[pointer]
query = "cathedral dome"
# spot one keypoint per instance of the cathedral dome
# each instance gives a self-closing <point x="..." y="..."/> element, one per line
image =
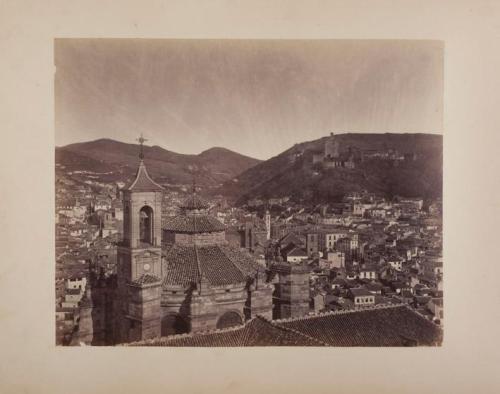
<point x="194" y="218"/>
<point x="193" y="224"/>
<point x="196" y="250"/>
<point x="194" y="202"/>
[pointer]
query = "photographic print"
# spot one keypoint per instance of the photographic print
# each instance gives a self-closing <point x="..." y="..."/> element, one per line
<point x="248" y="192"/>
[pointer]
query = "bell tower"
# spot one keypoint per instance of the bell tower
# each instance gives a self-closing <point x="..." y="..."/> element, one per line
<point x="139" y="272"/>
<point x="267" y="219"/>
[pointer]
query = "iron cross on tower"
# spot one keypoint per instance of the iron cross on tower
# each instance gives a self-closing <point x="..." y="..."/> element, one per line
<point x="193" y="169"/>
<point x="141" y="141"/>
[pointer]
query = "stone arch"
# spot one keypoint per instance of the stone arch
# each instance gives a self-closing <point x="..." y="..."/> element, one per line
<point x="173" y="324"/>
<point x="146" y="225"/>
<point x="229" y="319"/>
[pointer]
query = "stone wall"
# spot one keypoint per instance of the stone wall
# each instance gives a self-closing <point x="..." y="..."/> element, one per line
<point x="85" y="333"/>
<point x="144" y="311"/>
<point x="261" y="302"/>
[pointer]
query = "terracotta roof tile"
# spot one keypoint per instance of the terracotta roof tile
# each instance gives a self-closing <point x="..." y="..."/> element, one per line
<point x="146" y="279"/>
<point x="219" y="264"/>
<point x="143" y="181"/>
<point x="242" y="260"/>
<point x="181" y="266"/>
<point x="218" y="268"/>
<point x="193" y="224"/>
<point x="194" y="202"/>
<point x="256" y="332"/>
<point x="378" y="326"/>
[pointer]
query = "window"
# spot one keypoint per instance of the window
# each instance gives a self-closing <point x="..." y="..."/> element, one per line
<point x="146" y="225"/>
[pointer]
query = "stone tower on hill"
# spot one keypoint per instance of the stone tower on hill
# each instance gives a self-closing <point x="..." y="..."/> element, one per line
<point x="331" y="156"/>
<point x="332" y="147"/>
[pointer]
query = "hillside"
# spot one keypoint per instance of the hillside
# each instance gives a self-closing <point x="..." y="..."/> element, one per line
<point x="215" y="165"/>
<point x="293" y="174"/>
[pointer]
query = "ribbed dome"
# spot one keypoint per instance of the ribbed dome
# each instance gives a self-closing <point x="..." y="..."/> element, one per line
<point x="194" y="202"/>
<point x="193" y="224"/>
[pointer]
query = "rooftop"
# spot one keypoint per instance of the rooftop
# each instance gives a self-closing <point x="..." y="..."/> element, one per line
<point x="394" y="325"/>
<point x="388" y="325"/>
<point x="193" y="224"/>
<point x="220" y="264"/>
<point x="194" y="201"/>
<point x="143" y="182"/>
<point x="360" y="292"/>
<point x="146" y="279"/>
<point x="256" y="332"/>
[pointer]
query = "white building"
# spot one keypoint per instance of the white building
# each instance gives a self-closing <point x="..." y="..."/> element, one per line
<point x="76" y="283"/>
<point x="396" y="264"/>
<point x="336" y="259"/>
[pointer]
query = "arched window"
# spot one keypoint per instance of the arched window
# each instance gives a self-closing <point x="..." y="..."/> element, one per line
<point x="146" y="225"/>
<point x="229" y="319"/>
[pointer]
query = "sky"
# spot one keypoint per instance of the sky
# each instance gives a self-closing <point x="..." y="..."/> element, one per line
<point x="255" y="97"/>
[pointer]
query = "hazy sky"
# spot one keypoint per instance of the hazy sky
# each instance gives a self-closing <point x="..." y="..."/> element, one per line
<point x="256" y="97"/>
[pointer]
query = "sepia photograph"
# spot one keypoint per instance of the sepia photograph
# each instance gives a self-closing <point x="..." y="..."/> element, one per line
<point x="231" y="193"/>
<point x="252" y="196"/>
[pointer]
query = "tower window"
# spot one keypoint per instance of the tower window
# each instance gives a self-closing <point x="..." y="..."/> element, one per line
<point x="146" y="225"/>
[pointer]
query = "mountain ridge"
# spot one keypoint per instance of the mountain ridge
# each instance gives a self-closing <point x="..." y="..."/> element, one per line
<point x="292" y="173"/>
<point x="214" y="165"/>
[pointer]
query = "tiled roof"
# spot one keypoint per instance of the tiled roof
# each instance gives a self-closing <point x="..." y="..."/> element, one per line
<point x="422" y="300"/>
<point x="360" y="292"/>
<point x="290" y="238"/>
<point x="257" y="332"/>
<point x="143" y="182"/>
<point x="219" y="264"/>
<point x="245" y="263"/>
<point x="296" y="252"/>
<point x="146" y="279"/>
<point x="378" y="326"/>
<point x="374" y="286"/>
<point x="193" y="224"/>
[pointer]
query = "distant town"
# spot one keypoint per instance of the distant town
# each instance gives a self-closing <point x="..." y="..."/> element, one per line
<point x="367" y="269"/>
